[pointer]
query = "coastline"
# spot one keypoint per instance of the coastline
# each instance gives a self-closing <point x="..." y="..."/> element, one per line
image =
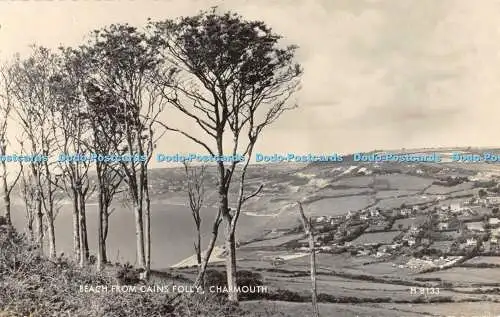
<point x="216" y="256"/>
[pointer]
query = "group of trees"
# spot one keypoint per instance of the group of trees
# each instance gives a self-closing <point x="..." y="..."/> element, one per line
<point x="228" y="75"/>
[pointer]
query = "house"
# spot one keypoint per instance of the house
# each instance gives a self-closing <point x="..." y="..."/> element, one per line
<point x="469" y="202"/>
<point x="455" y="207"/>
<point x="364" y="252"/>
<point x="277" y="261"/>
<point x="475" y="226"/>
<point x="443" y="226"/>
<point x="383" y="248"/>
<point x="414" y="228"/>
<point x="395" y="245"/>
<point x="493" y="199"/>
<point x="336" y="221"/>
<point x="493" y="244"/>
<point x="471" y="242"/>
<point x="406" y="212"/>
<point x="468" y="212"/>
<point x="396" y="213"/>
<point x="380" y="254"/>
<point x="493" y="221"/>
<point x="320" y="219"/>
<point x="411" y="242"/>
<point x="487" y="246"/>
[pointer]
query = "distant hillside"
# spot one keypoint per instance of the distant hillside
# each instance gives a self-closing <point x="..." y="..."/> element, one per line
<point x="170" y="183"/>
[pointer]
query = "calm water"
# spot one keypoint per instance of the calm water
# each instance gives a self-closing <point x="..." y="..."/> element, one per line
<point x="172" y="232"/>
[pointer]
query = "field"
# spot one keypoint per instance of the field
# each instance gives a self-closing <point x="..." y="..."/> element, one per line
<point x="407" y="222"/>
<point x="443" y="190"/>
<point x="479" y="309"/>
<point x="272" y="242"/>
<point x="407" y="182"/>
<point x="377" y="237"/>
<point x="371" y="286"/>
<point x="485" y="259"/>
<point x="339" y="206"/>
<point x="383" y="194"/>
<point x="397" y="202"/>
<point x="467" y="276"/>
<point x="344" y="310"/>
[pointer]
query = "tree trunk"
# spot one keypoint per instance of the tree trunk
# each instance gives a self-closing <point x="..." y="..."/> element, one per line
<point x="309" y="231"/>
<point x="230" y="243"/>
<point x="76" y="228"/>
<point x="84" y="245"/>
<point x="49" y="211"/>
<point x="6" y="196"/>
<point x="148" y="226"/>
<point x="105" y="226"/>
<point x="197" y="247"/>
<point x="29" y="216"/>
<point x="314" y="297"/>
<point x="100" y="241"/>
<point x="139" y="234"/>
<point x="52" y="236"/>
<point x="232" y="282"/>
<point x="200" y="279"/>
<point x="6" y="199"/>
<point x="39" y="224"/>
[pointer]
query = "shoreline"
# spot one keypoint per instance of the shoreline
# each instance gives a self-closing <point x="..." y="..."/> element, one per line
<point x="191" y="260"/>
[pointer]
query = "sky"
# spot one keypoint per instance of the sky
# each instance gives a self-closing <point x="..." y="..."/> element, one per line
<point x="383" y="74"/>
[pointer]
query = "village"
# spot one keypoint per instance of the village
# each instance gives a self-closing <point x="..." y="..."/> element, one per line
<point x="422" y="237"/>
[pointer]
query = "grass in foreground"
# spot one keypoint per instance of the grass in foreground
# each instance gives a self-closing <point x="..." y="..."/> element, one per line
<point x="31" y="285"/>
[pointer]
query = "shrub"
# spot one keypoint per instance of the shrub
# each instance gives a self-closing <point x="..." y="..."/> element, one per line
<point x="31" y="285"/>
<point x="287" y="296"/>
<point x="243" y="277"/>
<point x="127" y="275"/>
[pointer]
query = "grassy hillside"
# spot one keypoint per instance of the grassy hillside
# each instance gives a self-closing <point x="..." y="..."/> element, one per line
<point x="31" y="285"/>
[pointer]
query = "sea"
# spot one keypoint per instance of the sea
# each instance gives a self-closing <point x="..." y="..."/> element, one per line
<point x="172" y="232"/>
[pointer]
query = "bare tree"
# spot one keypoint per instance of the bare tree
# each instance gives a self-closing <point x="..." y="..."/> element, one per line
<point x="309" y="231"/>
<point x="233" y="80"/>
<point x="195" y="178"/>
<point x="196" y="190"/>
<point x="6" y="104"/>
<point x="200" y="279"/>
